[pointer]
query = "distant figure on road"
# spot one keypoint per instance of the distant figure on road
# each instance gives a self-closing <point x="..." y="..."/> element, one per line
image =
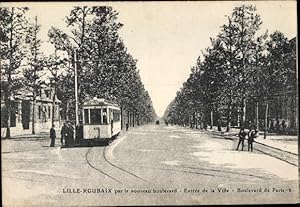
<point x="250" y="125"/>
<point x="205" y="125"/>
<point x="52" y="136"/>
<point x="272" y="125"/>
<point x="251" y="135"/>
<point x="277" y="126"/>
<point x="283" y="125"/>
<point x="127" y="125"/>
<point x="219" y="125"/>
<point x="242" y="136"/>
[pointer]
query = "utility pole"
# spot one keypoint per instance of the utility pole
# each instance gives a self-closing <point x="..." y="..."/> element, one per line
<point x="76" y="89"/>
<point x="34" y="91"/>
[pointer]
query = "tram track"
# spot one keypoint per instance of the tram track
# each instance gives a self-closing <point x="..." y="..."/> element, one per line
<point x="283" y="155"/>
<point x="122" y="169"/>
<point x="95" y="168"/>
<point x="121" y="172"/>
<point x="203" y="171"/>
<point x="20" y="151"/>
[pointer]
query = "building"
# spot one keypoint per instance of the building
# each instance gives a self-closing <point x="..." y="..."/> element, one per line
<point x="22" y="110"/>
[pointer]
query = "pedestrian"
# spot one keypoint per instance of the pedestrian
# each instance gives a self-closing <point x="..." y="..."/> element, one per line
<point x="283" y="125"/>
<point x="64" y="134"/>
<point x="242" y="136"/>
<point x="250" y="126"/>
<point x="52" y="136"/>
<point x="277" y="126"/>
<point x="79" y="133"/>
<point x="127" y="125"/>
<point x="272" y="126"/>
<point x="219" y="125"/>
<point x="251" y="135"/>
<point x="205" y="125"/>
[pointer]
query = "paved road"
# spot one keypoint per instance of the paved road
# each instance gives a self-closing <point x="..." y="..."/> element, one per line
<point x="148" y="165"/>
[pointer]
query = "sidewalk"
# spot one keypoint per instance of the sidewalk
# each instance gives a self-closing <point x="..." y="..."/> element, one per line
<point x="28" y="142"/>
<point x="286" y="143"/>
<point x="35" y="142"/>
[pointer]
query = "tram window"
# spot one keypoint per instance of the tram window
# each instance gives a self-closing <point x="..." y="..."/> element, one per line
<point x="86" y="116"/>
<point x="116" y="115"/>
<point x="95" y="116"/>
<point x="104" y="116"/>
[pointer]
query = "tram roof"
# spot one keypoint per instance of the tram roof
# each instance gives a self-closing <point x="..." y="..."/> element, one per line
<point x="99" y="102"/>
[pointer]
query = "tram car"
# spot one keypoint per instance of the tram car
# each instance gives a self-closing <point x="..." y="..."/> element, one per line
<point x="101" y="120"/>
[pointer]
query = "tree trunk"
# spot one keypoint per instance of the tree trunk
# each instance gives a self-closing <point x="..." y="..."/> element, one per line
<point x="229" y="116"/>
<point x="211" y="119"/>
<point x="67" y="111"/>
<point x="33" y="114"/>
<point x="53" y="104"/>
<point x="9" y="79"/>
<point x="194" y="120"/>
<point x="121" y="117"/>
<point x="244" y="112"/>
<point x="238" y="118"/>
<point x="257" y="121"/>
<point x="133" y="118"/>
<point x="266" y="121"/>
<point x="8" y="108"/>
<point x="128" y="118"/>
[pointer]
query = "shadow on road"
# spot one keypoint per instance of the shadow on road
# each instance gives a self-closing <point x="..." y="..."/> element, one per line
<point x="86" y="143"/>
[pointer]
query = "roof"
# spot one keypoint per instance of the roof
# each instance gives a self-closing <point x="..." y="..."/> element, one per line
<point x="99" y="102"/>
<point x="25" y="93"/>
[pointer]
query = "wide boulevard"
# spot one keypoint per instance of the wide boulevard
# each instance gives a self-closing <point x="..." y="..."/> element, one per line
<point x="153" y="164"/>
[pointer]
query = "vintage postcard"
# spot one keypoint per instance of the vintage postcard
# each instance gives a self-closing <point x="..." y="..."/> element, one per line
<point x="149" y="103"/>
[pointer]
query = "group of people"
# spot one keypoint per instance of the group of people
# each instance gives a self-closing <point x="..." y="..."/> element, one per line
<point x="67" y="135"/>
<point x="252" y="134"/>
<point x="278" y="127"/>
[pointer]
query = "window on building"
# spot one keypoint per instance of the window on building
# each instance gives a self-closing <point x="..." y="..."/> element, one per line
<point x="47" y="93"/>
<point x="49" y="112"/>
<point x="40" y="112"/>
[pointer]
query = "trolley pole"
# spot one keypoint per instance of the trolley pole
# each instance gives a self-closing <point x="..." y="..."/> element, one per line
<point x="76" y="89"/>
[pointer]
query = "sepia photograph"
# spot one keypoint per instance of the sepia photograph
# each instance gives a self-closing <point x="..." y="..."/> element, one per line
<point x="146" y="103"/>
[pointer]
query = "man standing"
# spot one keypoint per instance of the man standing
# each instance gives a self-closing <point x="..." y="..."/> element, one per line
<point x="242" y="136"/>
<point x="79" y="133"/>
<point x="251" y="135"/>
<point x="52" y="136"/>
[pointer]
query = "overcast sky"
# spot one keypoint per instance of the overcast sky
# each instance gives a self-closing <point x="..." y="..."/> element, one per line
<point x="167" y="37"/>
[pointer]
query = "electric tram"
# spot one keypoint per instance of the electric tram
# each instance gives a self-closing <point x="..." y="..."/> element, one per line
<point x="101" y="120"/>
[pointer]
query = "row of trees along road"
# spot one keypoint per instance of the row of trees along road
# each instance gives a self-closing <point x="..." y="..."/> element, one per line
<point x="239" y="66"/>
<point x="105" y="67"/>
